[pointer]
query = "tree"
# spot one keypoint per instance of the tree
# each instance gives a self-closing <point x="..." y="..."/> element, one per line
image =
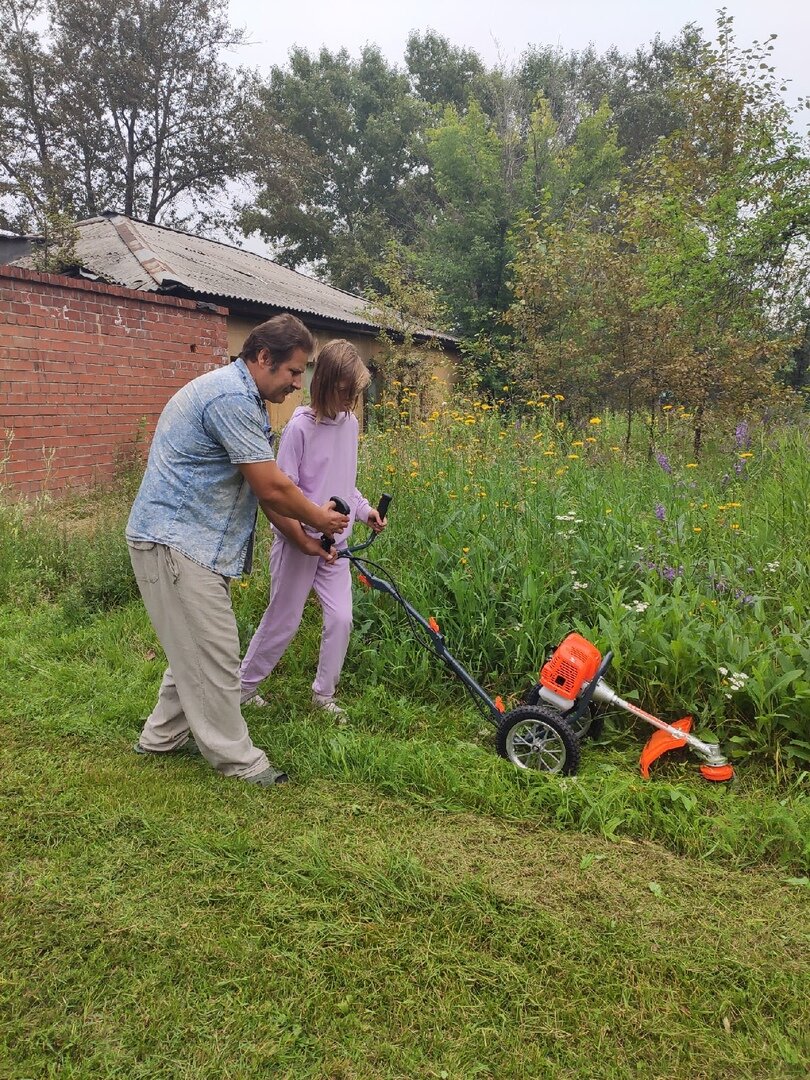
<point x="688" y="281"/>
<point x="129" y="105"/>
<point x="637" y="87"/>
<point x="351" y="176"/>
<point x="720" y="215"/>
<point x="441" y="73"/>
<point x="410" y="313"/>
<point x="466" y="243"/>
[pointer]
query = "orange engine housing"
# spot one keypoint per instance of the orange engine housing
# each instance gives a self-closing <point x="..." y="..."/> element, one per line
<point x="574" y="662"/>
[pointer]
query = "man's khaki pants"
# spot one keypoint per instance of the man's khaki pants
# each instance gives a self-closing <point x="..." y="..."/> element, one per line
<point x="190" y="609"/>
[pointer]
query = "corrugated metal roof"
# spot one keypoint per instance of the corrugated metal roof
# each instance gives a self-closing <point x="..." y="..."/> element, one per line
<point x="137" y="255"/>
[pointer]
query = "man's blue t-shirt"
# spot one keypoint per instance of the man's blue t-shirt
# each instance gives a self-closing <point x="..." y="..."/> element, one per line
<point x="192" y="496"/>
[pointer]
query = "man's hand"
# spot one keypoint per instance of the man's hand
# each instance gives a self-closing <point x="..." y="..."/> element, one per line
<point x="334" y="522"/>
<point x="312" y="546"/>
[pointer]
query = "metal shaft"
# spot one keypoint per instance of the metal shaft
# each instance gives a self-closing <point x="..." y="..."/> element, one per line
<point x="709" y="751"/>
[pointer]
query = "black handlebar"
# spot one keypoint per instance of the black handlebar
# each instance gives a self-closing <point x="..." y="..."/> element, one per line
<point x="382" y="510"/>
<point x="342" y="507"/>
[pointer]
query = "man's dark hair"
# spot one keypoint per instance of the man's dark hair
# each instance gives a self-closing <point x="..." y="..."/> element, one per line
<point x="281" y="336"/>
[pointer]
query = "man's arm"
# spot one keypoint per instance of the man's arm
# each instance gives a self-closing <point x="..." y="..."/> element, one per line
<point x="277" y="494"/>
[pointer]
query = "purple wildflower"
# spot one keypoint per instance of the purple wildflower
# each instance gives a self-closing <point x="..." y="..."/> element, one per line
<point x="739" y="466"/>
<point x="660" y="512"/>
<point x="742" y="436"/>
<point x="744" y="598"/>
<point x="663" y="461"/>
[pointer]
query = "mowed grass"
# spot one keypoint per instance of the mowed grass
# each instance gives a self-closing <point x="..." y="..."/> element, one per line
<point x="159" y="921"/>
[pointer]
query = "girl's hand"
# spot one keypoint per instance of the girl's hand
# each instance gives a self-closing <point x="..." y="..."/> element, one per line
<point x="375" y="522"/>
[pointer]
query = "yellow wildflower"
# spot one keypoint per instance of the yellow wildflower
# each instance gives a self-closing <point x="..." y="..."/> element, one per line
<point x="595" y="420"/>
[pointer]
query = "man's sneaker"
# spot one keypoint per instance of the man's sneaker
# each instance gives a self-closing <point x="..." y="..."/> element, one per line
<point x="189" y="748"/>
<point x="331" y="706"/>
<point x="269" y="778"/>
<point x="255" y="699"/>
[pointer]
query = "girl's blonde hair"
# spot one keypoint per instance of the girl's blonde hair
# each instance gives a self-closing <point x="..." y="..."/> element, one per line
<point x="339" y="375"/>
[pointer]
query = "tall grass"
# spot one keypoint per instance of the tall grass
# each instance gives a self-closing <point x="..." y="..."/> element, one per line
<point x="693" y="573"/>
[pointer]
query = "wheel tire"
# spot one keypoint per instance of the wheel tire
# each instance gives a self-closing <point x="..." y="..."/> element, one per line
<point x="585" y="725"/>
<point x="534" y="737"/>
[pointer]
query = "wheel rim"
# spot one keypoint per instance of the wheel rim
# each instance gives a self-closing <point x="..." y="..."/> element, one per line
<point x="534" y="744"/>
<point x="581" y="725"/>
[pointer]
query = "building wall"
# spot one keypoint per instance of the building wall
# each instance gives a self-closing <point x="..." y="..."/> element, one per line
<point x="367" y="346"/>
<point x="85" y="370"/>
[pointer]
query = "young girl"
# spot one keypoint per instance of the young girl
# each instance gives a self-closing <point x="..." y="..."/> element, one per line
<point x="318" y="451"/>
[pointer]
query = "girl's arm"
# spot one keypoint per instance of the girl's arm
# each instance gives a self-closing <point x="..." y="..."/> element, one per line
<point x="366" y="512"/>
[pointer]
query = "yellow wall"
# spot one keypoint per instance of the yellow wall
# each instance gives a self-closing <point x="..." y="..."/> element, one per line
<point x="239" y="328"/>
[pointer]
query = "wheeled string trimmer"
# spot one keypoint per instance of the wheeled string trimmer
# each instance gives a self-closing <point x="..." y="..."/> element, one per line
<point x="544" y="733"/>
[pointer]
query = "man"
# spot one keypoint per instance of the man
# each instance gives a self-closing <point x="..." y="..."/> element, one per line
<point x="191" y="530"/>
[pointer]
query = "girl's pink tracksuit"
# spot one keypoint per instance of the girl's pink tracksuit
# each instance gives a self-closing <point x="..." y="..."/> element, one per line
<point x="320" y="456"/>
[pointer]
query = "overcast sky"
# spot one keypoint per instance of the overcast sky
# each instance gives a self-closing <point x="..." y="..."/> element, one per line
<point x="502" y="29"/>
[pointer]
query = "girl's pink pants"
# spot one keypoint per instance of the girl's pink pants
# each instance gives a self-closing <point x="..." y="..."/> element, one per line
<point x="293" y="575"/>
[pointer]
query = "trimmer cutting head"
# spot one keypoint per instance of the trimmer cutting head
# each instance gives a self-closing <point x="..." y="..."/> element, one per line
<point x="718" y="773"/>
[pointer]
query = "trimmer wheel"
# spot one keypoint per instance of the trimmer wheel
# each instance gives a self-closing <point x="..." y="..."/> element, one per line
<point x="587" y="724"/>
<point x="535" y="737"/>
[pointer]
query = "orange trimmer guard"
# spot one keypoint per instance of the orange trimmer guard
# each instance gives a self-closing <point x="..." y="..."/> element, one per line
<point x="660" y="742"/>
<point x="718" y="773"/>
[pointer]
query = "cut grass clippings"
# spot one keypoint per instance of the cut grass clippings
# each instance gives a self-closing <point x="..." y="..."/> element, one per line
<point x="159" y="921"/>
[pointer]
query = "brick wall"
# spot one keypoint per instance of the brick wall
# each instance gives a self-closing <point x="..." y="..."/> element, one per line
<point x="85" y="370"/>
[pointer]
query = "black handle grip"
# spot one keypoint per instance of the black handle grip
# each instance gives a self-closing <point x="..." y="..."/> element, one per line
<point x="342" y="507"/>
<point x="384" y="503"/>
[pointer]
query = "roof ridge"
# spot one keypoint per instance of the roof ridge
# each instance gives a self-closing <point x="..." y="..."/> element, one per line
<point x="158" y="270"/>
